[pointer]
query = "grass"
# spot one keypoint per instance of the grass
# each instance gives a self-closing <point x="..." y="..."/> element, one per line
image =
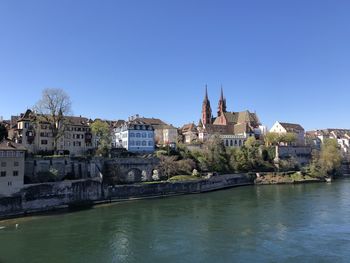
<point x="181" y="178"/>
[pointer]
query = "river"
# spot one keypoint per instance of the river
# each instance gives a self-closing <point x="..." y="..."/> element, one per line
<point x="279" y="223"/>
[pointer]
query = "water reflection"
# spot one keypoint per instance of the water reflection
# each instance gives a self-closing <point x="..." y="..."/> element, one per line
<point x="266" y="224"/>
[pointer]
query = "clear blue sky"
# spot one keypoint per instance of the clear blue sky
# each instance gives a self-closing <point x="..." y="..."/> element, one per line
<point x="286" y="60"/>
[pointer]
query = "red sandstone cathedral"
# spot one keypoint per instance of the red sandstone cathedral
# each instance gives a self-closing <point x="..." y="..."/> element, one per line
<point x="226" y="123"/>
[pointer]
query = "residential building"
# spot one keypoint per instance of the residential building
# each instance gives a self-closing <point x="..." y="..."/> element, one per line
<point x="297" y="129"/>
<point x="135" y="136"/>
<point x="189" y="133"/>
<point x="342" y="136"/>
<point x="36" y="135"/>
<point x="165" y="134"/>
<point x="11" y="167"/>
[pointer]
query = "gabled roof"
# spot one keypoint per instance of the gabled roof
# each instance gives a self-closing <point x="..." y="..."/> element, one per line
<point x="191" y="127"/>
<point x="292" y="127"/>
<point x="151" y="121"/>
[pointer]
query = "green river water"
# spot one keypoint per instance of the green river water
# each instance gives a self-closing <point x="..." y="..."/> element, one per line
<point x="281" y="223"/>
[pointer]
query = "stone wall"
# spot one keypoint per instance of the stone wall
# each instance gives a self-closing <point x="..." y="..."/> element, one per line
<point x="170" y="188"/>
<point x="43" y="197"/>
<point x="49" y="196"/>
<point x="130" y="170"/>
<point x="301" y="154"/>
<point x="78" y="168"/>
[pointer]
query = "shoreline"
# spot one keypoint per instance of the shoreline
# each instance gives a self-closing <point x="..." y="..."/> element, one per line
<point x="65" y="209"/>
<point x="90" y="204"/>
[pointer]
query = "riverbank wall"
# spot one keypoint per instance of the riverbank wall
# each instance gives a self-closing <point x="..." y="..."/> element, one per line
<point x="38" y="198"/>
<point x="176" y="188"/>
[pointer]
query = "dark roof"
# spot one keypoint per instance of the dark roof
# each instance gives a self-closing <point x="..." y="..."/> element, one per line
<point x="151" y="121"/>
<point x="241" y="117"/>
<point x="292" y="127"/>
<point x="9" y="145"/>
<point x="134" y="125"/>
<point x="73" y="120"/>
<point x="338" y="133"/>
<point x="190" y="127"/>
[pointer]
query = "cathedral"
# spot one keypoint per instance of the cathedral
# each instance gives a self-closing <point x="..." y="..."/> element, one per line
<point x="229" y="125"/>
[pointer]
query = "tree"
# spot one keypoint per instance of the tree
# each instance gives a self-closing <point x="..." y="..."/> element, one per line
<point x="330" y="157"/>
<point x="287" y="138"/>
<point x="214" y="155"/>
<point x="271" y="139"/>
<point x="52" y="108"/>
<point x="3" y="132"/>
<point x="101" y="130"/>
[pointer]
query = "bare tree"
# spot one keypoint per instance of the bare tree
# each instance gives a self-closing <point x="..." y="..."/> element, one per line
<point x="52" y="108"/>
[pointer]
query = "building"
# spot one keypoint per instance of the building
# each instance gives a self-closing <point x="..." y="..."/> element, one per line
<point x="11" y="167"/>
<point x="36" y="135"/>
<point x="189" y="133"/>
<point x="232" y="127"/>
<point x="164" y="133"/>
<point x="135" y="136"/>
<point x="297" y="129"/>
<point x="342" y="136"/>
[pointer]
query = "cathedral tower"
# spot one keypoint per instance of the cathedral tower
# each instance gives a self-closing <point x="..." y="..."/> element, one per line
<point x="222" y="104"/>
<point x="206" y="109"/>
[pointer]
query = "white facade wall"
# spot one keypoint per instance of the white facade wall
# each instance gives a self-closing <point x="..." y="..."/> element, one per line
<point x="11" y="171"/>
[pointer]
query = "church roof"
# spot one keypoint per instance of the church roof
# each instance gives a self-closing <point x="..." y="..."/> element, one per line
<point x="240" y="117"/>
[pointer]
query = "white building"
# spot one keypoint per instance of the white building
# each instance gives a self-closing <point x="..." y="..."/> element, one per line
<point x="11" y="167"/>
<point x="135" y="136"/>
<point x="297" y="129"/>
<point x="341" y="135"/>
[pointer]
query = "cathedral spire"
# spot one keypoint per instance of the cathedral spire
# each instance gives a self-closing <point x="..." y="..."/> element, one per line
<point x="206" y="109"/>
<point x="222" y="103"/>
<point x="222" y="94"/>
<point x="206" y="93"/>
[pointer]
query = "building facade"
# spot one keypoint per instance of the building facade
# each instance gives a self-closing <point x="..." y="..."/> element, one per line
<point x="37" y="137"/>
<point x="342" y="136"/>
<point x="284" y="127"/>
<point x="135" y="136"/>
<point x="164" y="133"/>
<point x="12" y="157"/>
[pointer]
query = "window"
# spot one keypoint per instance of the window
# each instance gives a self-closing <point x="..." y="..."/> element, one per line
<point x="138" y="135"/>
<point x="15" y="173"/>
<point x="226" y="142"/>
<point x="3" y="173"/>
<point x="3" y="164"/>
<point x="150" y="135"/>
<point x="132" y="143"/>
<point x="143" y="143"/>
<point x="231" y="142"/>
<point x="16" y="164"/>
<point x="144" y="135"/>
<point x="9" y="183"/>
<point x="150" y="143"/>
<point x="44" y="142"/>
<point x="138" y="143"/>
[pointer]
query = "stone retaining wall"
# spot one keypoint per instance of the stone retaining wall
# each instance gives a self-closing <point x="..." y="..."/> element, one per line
<point x="49" y="196"/>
